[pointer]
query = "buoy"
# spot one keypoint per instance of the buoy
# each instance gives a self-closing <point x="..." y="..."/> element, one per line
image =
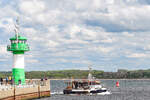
<point x="117" y="84"/>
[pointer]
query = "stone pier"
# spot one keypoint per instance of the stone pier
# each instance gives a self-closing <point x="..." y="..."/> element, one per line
<point x="37" y="89"/>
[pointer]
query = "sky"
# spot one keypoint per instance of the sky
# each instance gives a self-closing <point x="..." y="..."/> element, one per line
<point x="74" y="34"/>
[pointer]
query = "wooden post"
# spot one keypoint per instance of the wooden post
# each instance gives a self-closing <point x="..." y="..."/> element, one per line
<point x="14" y="92"/>
<point x="39" y="90"/>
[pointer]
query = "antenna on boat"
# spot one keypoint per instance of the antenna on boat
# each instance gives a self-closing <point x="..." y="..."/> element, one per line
<point x="90" y="75"/>
<point x="90" y="69"/>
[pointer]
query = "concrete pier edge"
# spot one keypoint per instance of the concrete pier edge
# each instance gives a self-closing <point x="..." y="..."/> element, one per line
<point x="26" y="93"/>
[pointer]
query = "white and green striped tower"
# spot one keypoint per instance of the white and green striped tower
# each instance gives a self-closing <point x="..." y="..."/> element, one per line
<point x="18" y="47"/>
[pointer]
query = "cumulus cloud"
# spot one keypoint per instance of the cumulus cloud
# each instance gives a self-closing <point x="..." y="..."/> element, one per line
<point x="78" y="33"/>
<point x="32" y="7"/>
<point x="3" y="50"/>
<point x="105" y="49"/>
<point x="137" y="55"/>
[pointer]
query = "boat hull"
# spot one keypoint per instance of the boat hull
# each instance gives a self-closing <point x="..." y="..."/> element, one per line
<point x="97" y="91"/>
<point x="75" y="92"/>
<point x="85" y="91"/>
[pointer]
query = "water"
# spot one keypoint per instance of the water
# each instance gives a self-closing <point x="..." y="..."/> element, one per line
<point x="128" y="90"/>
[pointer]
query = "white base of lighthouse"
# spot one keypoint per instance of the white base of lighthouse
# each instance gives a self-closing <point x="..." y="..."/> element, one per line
<point x="18" y="68"/>
<point x="18" y="61"/>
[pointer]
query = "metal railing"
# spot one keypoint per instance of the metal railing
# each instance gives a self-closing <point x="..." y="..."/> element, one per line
<point x="10" y="48"/>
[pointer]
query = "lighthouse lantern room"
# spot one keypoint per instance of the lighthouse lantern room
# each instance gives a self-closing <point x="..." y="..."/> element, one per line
<point x="18" y="47"/>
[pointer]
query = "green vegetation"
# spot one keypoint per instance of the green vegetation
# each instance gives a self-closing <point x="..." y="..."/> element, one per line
<point x="120" y="74"/>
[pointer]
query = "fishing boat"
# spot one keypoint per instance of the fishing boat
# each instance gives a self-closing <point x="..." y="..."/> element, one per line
<point x="89" y="86"/>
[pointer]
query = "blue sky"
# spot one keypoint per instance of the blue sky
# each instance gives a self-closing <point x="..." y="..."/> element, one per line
<point x="72" y="34"/>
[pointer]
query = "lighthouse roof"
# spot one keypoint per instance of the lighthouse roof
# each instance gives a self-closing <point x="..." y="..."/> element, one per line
<point x="19" y="38"/>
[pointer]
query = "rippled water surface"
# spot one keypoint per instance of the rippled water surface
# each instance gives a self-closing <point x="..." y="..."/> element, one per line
<point x="128" y="90"/>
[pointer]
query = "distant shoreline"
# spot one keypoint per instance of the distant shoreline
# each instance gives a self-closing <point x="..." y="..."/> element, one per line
<point x="82" y="74"/>
<point x="101" y="79"/>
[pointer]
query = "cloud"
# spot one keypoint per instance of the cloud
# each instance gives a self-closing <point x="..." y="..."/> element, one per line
<point x="3" y="49"/>
<point x="105" y="49"/>
<point x="32" y="7"/>
<point x="137" y="55"/>
<point x="77" y="33"/>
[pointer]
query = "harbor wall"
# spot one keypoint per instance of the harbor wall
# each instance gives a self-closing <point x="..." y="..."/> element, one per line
<point x="26" y="92"/>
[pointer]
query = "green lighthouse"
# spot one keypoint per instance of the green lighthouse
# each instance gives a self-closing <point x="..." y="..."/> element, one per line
<point x="18" y="47"/>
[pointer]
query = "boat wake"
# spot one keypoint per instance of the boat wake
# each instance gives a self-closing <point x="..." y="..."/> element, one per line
<point x="57" y="93"/>
<point x="104" y="93"/>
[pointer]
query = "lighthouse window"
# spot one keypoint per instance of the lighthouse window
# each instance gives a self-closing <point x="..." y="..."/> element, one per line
<point x="15" y="41"/>
<point x="12" y="41"/>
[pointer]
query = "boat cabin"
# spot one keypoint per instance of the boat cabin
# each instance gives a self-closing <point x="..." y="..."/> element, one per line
<point x="78" y="84"/>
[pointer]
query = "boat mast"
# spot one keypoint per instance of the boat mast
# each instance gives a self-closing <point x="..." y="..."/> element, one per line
<point x="90" y="75"/>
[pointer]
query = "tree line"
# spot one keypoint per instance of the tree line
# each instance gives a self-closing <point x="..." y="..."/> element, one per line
<point x="82" y="74"/>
